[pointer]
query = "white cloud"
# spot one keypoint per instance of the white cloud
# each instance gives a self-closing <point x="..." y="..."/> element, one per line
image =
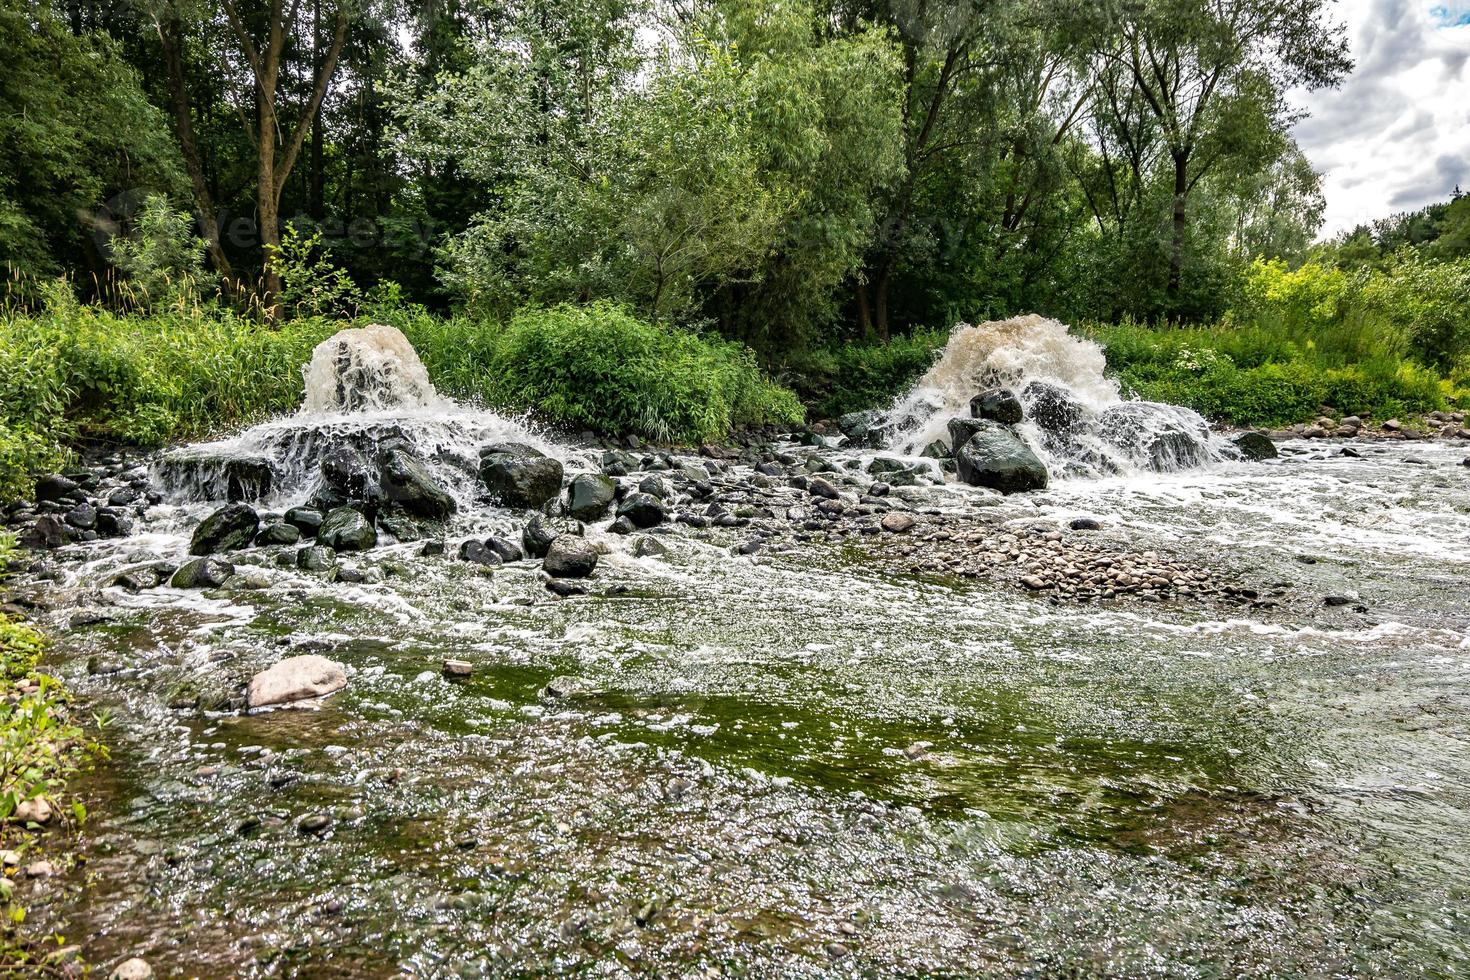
<point x="1396" y="135"/>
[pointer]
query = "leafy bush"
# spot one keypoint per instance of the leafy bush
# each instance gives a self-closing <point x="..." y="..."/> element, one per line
<point x="40" y="748"/>
<point x="602" y="368"/>
<point x="163" y="259"/>
<point x="853" y="377"/>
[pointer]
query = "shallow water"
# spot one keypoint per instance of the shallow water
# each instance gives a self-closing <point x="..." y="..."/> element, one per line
<point x="807" y="765"/>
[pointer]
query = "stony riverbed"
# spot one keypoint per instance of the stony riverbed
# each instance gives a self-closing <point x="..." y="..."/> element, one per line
<point x="812" y="723"/>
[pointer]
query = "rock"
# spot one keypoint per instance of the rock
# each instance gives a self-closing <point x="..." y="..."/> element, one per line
<point x="643" y="509"/>
<point x="1052" y="407"/>
<point x="1034" y="582"/>
<point x="1392" y="425"/>
<point x="1337" y="600"/>
<point x="1256" y="446"/>
<point x="316" y="558"/>
<point x="307" y="520"/>
<point x="1085" y="524"/>
<point x="566" y="686"/>
<point x="998" y="405"/>
<point x="35" y="810"/>
<point x="230" y="528"/>
<point x="519" y="476"/>
<point x="407" y="486"/>
<point x="47" y="531"/>
<point x="458" y="668"/>
<point x="476" y="553"/>
<point x="649" y="547"/>
<point x="83" y="517"/>
<point x="589" y="496"/>
<point x="202" y="573"/>
<point x="961" y="430"/>
<point x="295" y="679"/>
<point x="281" y="533"/>
<point x="113" y="524"/>
<point x="860" y="427"/>
<point x="138" y="579"/>
<point x="507" y="549"/>
<point x="133" y="969"/>
<point x="431" y="549"/>
<point x="348" y="477"/>
<point x="541" y="530"/>
<point x="55" y="488"/>
<point x="997" y="458"/>
<point x="570" y="557"/>
<point x="819" y="487"/>
<point x="565" y="587"/>
<point x="346" y="529"/>
<point x="897" y="522"/>
<point x="314" y="823"/>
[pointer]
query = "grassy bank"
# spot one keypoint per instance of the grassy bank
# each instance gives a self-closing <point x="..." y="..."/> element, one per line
<point x="77" y="372"/>
<point x="41" y="747"/>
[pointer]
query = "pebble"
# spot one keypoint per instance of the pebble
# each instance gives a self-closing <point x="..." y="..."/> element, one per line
<point x="133" y="969"/>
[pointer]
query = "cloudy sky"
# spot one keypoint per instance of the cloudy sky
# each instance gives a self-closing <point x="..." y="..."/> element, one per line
<point x="1396" y="134"/>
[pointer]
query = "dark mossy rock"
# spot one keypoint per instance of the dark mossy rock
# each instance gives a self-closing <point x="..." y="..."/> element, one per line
<point x="507" y="549"/>
<point x="589" y="496"/>
<point x="307" y="520"/>
<point x="995" y="457"/>
<point x="1256" y="446"/>
<point x="346" y="529"/>
<point x="281" y="533"/>
<point x="519" y="476"/>
<point x="541" y="530"/>
<point x="202" y="573"/>
<point x="644" y="510"/>
<point x="315" y="558"/>
<point x="407" y="486"/>
<point x="1052" y="407"/>
<point x="56" y="488"/>
<point x="998" y="405"/>
<point x="231" y="527"/>
<point x="476" y="553"/>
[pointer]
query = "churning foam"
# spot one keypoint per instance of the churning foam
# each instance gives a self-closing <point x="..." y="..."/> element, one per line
<point x="366" y="369"/>
<point x="1034" y="355"/>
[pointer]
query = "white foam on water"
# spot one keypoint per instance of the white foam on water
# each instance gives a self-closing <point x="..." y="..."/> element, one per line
<point x="1045" y="364"/>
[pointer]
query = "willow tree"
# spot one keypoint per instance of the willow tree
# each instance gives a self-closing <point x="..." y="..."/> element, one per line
<point x="1211" y="76"/>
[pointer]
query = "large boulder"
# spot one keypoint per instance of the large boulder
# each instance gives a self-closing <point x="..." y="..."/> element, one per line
<point x="995" y="457"/>
<point x="407" y="486"/>
<point x="345" y="529"/>
<point x="519" y="476"/>
<point x="1052" y="407"/>
<point x="962" y="429"/>
<point x="541" y="530"/>
<point x="1161" y="437"/>
<point x="1256" y="446"/>
<point x="227" y="529"/>
<point x="56" y="488"/>
<point x="644" y="510"/>
<point x="570" y="557"/>
<point x="998" y="405"/>
<point x="348" y="478"/>
<point x="590" y="495"/>
<point x="296" y="679"/>
<point x="202" y="573"/>
<point x="202" y="473"/>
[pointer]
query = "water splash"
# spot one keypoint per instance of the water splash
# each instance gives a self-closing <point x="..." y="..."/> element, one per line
<point x="1076" y="416"/>
<point x="372" y="368"/>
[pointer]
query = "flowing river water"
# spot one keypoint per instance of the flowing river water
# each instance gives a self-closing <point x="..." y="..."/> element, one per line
<point x="806" y="763"/>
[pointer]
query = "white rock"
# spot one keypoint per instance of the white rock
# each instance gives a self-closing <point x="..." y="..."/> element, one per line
<point x="296" y="678"/>
<point x="133" y="969"/>
<point x="37" y="810"/>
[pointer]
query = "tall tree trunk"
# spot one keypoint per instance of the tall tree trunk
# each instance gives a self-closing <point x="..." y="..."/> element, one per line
<point x="1176" y="243"/>
<point x="170" y="35"/>
<point x="865" y="311"/>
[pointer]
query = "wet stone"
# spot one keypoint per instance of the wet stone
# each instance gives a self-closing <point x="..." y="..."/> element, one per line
<point x="228" y="529"/>
<point x="202" y="573"/>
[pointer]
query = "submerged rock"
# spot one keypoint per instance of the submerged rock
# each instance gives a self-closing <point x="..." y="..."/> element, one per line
<point x="228" y="529"/>
<point x="1163" y="437"/>
<point x="296" y="679"/>
<point x="589" y="496"/>
<point x="345" y="529"/>
<point x="1052" y="407"/>
<point x="476" y="553"/>
<point x="996" y="458"/>
<point x="518" y="475"/>
<point x="202" y="573"/>
<point x="1256" y="446"/>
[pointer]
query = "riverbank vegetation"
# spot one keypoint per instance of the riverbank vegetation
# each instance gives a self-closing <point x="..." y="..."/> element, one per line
<point x="630" y="217"/>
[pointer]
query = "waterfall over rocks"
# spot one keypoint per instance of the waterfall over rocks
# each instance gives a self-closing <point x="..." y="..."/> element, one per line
<point x="372" y="368"/>
<point x="1074" y="416"/>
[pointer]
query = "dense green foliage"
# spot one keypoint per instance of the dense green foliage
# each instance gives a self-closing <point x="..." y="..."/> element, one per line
<point x="836" y="380"/>
<point x="83" y="372"/>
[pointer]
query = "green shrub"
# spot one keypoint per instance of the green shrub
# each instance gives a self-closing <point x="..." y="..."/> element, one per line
<point x="601" y="367"/>
<point x="854" y="377"/>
